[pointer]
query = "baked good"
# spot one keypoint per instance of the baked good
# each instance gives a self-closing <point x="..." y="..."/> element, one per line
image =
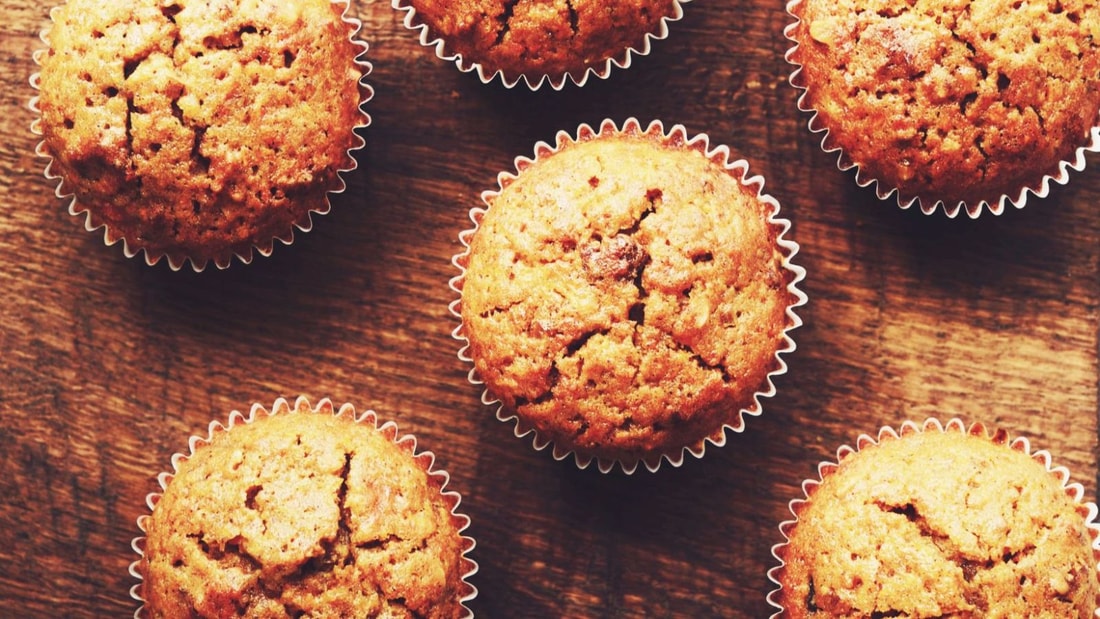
<point x="939" y="522"/>
<point x="626" y="296"/>
<point x="967" y="103"/>
<point x="304" y="513"/>
<point x="200" y="129"/>
<point x="539" y="41"/>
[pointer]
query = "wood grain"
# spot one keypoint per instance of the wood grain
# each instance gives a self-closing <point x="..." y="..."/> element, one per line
<point x="107" y="365"/>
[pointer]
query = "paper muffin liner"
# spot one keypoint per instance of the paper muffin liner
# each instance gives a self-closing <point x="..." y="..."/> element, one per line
<point x="1021" y="444"/>
<point x="739" y="169"/>
<point x="175" y="261"/>
<point x="1040" y="188"/>
<point x="534" y="81"/>
<point x="406" y="442"/>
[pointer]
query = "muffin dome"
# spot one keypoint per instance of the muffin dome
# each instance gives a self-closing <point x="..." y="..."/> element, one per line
<point x="303" y="513"/>
<point x="200" y="129"/>
<point x="959" y="103"/>
<point x="626" y="296"/>
<point x="939" y="524"/>
<point x="541" y="41"/>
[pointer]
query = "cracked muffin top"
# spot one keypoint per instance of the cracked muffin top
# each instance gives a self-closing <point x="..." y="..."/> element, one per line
<point x="939" y="524"/>
<point x="537" y="38"/>
<point x="304" y="514"/>
<point x="626" y="297"/>
<point x="200" y="129"/>
<point x="959" y="101"/>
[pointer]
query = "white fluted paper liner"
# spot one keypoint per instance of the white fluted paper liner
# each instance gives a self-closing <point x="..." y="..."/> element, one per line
<point x="407" y="442"/>
<point x="176" y="261"/>
<point x="1021" y="444"/>
<point x="739" y="169"/>
<point x="534" y="81"/>
<point x="1040" y="188"/>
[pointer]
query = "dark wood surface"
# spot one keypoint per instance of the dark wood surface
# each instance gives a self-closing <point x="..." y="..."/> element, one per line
<point x="107" y="366"/>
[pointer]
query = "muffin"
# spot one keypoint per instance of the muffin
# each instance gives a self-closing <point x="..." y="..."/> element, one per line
<point x="200" y="129"/>
<point x="963" y="105"/>
<point x="303" y="512"/>
<point x="627" y="295"/>
<point x="537" y="41"/>
<point x="936" y="522"/>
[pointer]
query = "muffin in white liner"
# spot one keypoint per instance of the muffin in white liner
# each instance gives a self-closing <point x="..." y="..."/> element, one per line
<point x="303" y="508"/>
<point x="968" y="106"/>
<point x="538" y="42"/>
<point x="931" y="520"/>
<point x="627" y="295"/>
<point x="196" y="133"/>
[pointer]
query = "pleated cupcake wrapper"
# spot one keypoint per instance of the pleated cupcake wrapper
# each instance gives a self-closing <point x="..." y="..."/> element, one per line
<point x="407" y="442"/>
<point x="534" y="81"/>
<point x="719" y="155"/>
<point x="1040" y="189"/>
<point x="176" y="261"/>
<point x="1021" y="444"/>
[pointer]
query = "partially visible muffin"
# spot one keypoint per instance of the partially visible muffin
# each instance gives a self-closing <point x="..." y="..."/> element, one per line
<point x="200" y="129"/>
<point x="963" y="104"/>
<point x="303" y="513"/>
<point x="541" y="41"/>
<point x="627" y="295"/>
<point x="939" y="523"/>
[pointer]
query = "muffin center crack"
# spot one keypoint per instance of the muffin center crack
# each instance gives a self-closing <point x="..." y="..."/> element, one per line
<point x="379" y="544"/>
<point x="200" y="161"/>
<point x="170" y="11"/>
<point x="336" y="551"/>
<point x="343" y="532"/>
<point x="505" y="19"/>
<point x="704" y="364"/>
<point x="231" y="553"/>
<point x="131" y="109"/>
<point x="500" y="309"/>
<point x="622" y="257"/>
<point x="553" y="377"/>
<point x="618" y="258"/>
<point x="913" y="515"/>
<point x="811" y="601"/>
<point x="578" y="342"/>
<point x="233" y="39"/>
<point x="970" y="567"/>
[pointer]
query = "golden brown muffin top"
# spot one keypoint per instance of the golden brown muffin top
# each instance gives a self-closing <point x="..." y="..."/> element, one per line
<point x="940" y="524"/>
<point x="952" y="100"/>
<point x="626" y="297"/>
<point x="302" y="515"/>
<point x="542" y="37"/>
<point x="200" y="128"/>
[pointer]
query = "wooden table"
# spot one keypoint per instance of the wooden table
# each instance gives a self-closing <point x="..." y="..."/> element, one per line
<point x="108" y="365"/>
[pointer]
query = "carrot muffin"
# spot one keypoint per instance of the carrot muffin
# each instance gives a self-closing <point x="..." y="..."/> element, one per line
<point x="939" y="523"/>
<point x="627" y="295"/>
<point x="200" y="129"/>
<point x="964" y="104"/>
<point x="537" y="40"/>
<point x="303" y="513"/>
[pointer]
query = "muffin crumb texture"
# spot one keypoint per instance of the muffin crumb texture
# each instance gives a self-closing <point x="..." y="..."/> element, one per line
<point x="959" y="101"/>
<point x="626" y="297"/>
<point x="302" y="515"/>
<point x="940" y="524"/>
<point x="537" y="37"/>
<point x="200" y="128"/>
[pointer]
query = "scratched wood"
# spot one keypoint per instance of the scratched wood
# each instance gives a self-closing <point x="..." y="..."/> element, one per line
<point x="107" y="365"/>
